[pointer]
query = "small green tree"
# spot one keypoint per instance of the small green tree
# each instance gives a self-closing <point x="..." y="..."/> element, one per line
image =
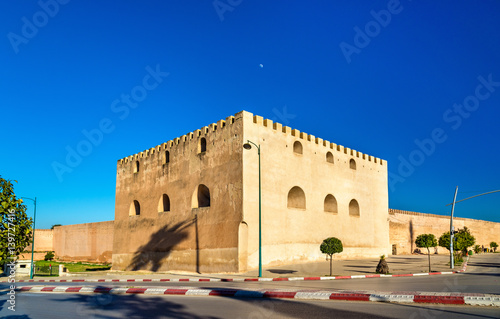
<point x="477" y="249"/>
<point x="493" y="246"/>
<point x="464" y="240"/>
<point x="444" y="241"/>
<point x="15" y="225"/>
<point x="49" y="256"/>
<point x="330" y="246"/>
<point x="426" y="241"/>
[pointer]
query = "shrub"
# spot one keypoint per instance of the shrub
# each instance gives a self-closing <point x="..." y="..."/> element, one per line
<point x="49" y="256"/>
<point x="477" y="249"/>
<point x="493" y="246"/>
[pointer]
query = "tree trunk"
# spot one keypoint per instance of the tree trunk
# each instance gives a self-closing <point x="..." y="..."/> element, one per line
<point x="331" y="264"/>
<point x="429" y="254"/>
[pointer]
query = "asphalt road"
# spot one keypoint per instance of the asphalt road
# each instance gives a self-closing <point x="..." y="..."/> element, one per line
<point x="482" y="276"/>
<point x="76" y="306"/>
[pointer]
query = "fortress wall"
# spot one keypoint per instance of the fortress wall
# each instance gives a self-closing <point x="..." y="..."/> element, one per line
<point x="405" y="226"/>
<point x="292" y="234"/>
<point x="43" y="240"/>
<point x="183" y="238"/>
<point x="84" y="242"/>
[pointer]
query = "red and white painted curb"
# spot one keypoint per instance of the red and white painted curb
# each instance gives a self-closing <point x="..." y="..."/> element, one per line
<point x="464" y="267"/>
<point x="403" y="297"/>
<point x="246" y="279"/>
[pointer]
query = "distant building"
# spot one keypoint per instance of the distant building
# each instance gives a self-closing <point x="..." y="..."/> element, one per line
<point x="192" y="203"/>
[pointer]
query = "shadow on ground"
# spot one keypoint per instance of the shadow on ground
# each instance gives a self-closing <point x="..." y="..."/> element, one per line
<point x="129" y="306"/>
<point x="281" y="271"/>
<point x="134" y="306"/>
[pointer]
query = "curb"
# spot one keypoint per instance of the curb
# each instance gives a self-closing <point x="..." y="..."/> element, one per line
<point x="473" y="299"/>
<point x="464" y="267"/>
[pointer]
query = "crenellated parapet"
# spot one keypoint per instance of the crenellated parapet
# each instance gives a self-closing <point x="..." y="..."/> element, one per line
<point x="259" y="120"/>
<point x="182" y="140"/>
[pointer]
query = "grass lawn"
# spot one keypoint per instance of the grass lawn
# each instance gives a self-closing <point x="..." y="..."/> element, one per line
<point x="74" y="267"/>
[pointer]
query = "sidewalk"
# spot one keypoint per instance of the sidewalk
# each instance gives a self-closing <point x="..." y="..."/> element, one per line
<point x="398" y="265"/>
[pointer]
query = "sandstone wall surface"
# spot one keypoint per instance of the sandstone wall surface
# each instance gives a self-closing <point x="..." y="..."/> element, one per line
<point x="405" y="226"/>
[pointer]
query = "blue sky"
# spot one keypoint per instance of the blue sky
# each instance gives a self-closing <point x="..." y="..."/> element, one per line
<point x="414" y="83"/>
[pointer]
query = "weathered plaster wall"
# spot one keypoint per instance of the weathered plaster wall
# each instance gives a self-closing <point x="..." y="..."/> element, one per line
<point x="84" y="242"/>
<point x="294" y="234"/>
<point x="43" y="240"/>
<point x="405" y="226"/>
<point x="36" y="256"/>
<point x="184" y="238"/>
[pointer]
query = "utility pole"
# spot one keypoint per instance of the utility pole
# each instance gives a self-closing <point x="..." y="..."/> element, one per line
<point x="452" y="260"/>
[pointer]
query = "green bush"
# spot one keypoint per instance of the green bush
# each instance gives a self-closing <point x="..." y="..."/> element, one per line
<point x="49" y="256"/>
<point x="477" y="249"/>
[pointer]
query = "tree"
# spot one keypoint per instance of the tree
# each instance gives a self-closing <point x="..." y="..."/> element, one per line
<point x="49" y="256"/>
<point x="426" y="241"/>
<point x="330" y="246"/>
<point x="15" y="225"/>
<point x="477" y="249"/>
<point x="493" y="246"/>
<point x="463" y="239"/>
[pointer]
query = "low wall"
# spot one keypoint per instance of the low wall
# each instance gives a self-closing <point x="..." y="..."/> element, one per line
<point x="405" y="226"/>
<point x="84" y="242"/>
<point x="36" y="256"/>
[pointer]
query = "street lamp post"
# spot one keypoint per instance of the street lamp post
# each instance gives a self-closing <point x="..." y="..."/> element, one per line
<point x="451" y="219"/>
<point x="33" y="242"/>
<point x="247" y="146"/>
<point x="452" y="260"/>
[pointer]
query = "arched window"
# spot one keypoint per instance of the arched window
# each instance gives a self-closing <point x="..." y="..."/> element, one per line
<point x="354" y="208"/>
<point x="136" y="167"/>
<point x="201" y="197"/>
<point x="331" y="204"/>
<point x="352" y="164"/>
<point x="167" y="157"/>
<point x="135" y="209"/>
<point x="202" y="146"/>
<point x="164" y="203"/>
<point x="297" y="147"/>
<point x="296" y="198"/>
<point x="329" y="157"/>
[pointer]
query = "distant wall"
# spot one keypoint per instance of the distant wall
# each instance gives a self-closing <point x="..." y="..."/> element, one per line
<point x="84" y="242"/>
<point x="43" y="240"/>
<point x="405" y="226"/>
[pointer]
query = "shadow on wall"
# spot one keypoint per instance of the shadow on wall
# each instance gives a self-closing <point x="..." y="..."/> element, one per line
<point x="412" y="235"/>
<point x="159" y="246"/>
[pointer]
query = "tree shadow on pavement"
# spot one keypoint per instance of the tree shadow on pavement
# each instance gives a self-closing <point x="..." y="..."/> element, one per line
<point x="283" y="308"/>
<point x="159" y="246"/>
<point x="281" y="271"/>
<point x="421" y="311"/>
<point x="154" y="307"/>
<point x="483" y="264"/>
<point x="129" y="306"/>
